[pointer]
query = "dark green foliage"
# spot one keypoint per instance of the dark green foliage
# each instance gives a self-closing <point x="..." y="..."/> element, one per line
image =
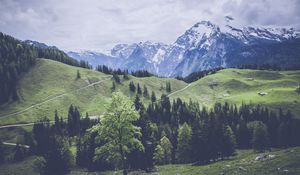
<point x="19" y="153"/>
<point x="141" y="73"/>
<point x="58" y="158"/>
<point x="145" y="92"/>
<point x="153" y="97"/>
<point x="113" y="87"/>
<point x="78" y="76"/>
<point x="125" y="77"/>
<point x="139" y="89"/>
<point x="132" y="86"/>
<point x="74" y="121"/>
<point x="198" y="75"/>
<point x="2" y="153"/>
<point x="260" y="138"/>
<point x="168" y="87"/>
<point x="116" y="78"/>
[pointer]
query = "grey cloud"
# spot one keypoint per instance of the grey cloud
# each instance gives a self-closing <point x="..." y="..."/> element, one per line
<point x="97" y="24"/>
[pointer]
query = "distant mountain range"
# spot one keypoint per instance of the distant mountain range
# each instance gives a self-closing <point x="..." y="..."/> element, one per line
<point x="205" y="45"/>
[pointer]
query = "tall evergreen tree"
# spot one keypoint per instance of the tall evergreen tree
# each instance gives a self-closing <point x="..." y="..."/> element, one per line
<point x="139" y="89"/>
<point x="260" y="140"/>
<point x="153" y="97"/>
<point x="145" y="92"/>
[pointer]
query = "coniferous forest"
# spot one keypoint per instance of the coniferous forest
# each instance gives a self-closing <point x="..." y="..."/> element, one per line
<point x="132" y="136"/>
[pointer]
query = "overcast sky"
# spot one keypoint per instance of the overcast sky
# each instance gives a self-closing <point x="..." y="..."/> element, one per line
<point x="100" y="24"/>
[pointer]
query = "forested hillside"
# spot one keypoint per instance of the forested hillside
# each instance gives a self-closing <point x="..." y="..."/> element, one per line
<point x="17" y="57"/>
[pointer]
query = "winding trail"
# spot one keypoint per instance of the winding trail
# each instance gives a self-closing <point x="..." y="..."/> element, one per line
<point x="55" y="97"/>
<point x="180" y="90"/>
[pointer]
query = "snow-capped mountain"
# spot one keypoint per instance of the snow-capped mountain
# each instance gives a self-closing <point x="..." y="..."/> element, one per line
<point x="205" y="45"/>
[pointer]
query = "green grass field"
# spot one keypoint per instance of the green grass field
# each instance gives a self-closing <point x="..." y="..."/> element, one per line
<point x="286" y="161"/>
<point x="51" y="85"/>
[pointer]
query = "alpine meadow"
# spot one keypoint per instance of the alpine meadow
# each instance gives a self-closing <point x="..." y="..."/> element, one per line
<point x="215" y="91"/>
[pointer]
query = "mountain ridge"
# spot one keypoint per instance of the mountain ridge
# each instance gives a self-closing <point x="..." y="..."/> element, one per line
<point x="203" y="46"/>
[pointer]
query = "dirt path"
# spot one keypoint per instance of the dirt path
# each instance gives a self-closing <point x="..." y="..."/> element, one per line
<point x="179" y="90"/>
<point x="55" y="97"/>
<point x="14" y="144"/>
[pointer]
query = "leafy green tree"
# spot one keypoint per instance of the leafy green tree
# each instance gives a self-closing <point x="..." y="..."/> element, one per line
<point x="159" y="155"/>
<point x="163" y="151"/>
<point x="260" y="140"/>
<point x="184" y="145"/>
<point x="117" y="131"/>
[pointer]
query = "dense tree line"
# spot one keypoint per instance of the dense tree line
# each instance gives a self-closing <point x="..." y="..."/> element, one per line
<point x="162" y="133"/>
<point x="198" y="75"/>
<point x="16" y="58"/>
<point x="138" y="73"/>
<point x="52" y="141"/>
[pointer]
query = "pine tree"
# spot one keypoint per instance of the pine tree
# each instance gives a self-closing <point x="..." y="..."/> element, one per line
<point x="168" y="87"/>
<point x="113" y="88"/>
<point x="153" y="97"/>
<point x="131" y="86"/>
<point x="116" y="78"/>
<point x="59" y="157"/>
<point x="78" y="76"/>
<point x="139" y="90"/>
<point x="145" y="93"/>
<point x="260" y="138"/>
<point x="228" y="142"/>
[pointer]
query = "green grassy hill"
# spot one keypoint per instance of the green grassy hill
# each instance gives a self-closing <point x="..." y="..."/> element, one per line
<point x="237" y="86"/>
<point x="51" y="85"/>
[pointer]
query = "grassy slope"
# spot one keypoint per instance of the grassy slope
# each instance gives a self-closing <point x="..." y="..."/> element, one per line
<point x="287" y="160"/>
<point x="50" y="78"/>
<point x="244" y="85"/>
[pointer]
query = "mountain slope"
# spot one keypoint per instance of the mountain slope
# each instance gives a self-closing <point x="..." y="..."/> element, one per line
<point x="204" y="46"/>
<point x="51" y="85"/>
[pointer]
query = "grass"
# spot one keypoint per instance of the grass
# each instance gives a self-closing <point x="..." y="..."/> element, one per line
<point x="242" y="86"/>
<point x="48" y="79"/>
<point x="286" y="161"/>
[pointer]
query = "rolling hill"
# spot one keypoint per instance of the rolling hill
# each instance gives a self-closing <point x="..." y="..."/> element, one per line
<point x="52" y="85"/>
